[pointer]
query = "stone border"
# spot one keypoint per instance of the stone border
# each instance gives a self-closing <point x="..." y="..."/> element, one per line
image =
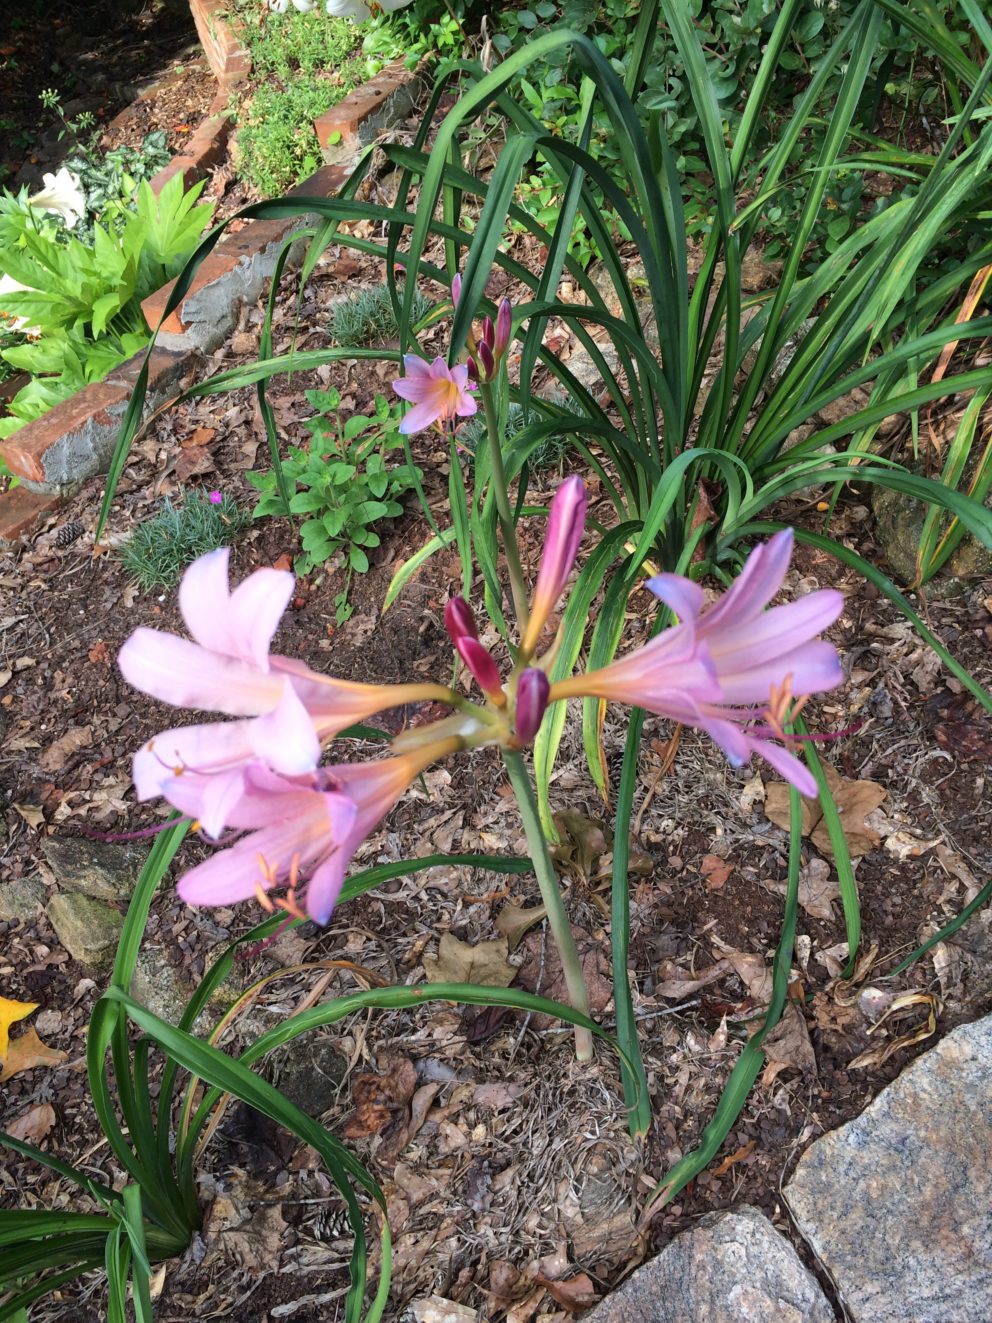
<point x="54" y="455"/>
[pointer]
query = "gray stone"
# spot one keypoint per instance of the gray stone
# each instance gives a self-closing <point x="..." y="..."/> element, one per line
<point x="898" y="1202"/>
<point x="157" y="986"/>
<point x="96" y="868"/>
<point x="87" y="928"/>
<point x="899" y="520"/>
<point x="20" y="899"/>
<point x="310" y="1072"/>
<point x="210" y="313"/>
<point x="732" y="1268"/>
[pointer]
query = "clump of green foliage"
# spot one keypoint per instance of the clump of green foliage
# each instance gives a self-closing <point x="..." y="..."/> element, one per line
<point x="82" y="299"/>
<point x="341" y="483"/>
<point x="160" y="549"/>
<point x="546" y="457"/>
<point x="368" y="317"/>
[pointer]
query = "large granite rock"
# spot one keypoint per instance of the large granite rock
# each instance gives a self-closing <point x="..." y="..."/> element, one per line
<point x="732" y="1268"/>
<point x="96" y="868"/>
<point x="87" y="928"/>
<point x="898" y="1202"/>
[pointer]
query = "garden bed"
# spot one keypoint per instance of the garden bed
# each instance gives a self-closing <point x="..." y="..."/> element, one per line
<point x="521" y="1169"/>
<point x="512" y="1185"/>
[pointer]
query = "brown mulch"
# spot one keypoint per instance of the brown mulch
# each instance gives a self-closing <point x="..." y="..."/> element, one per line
<point x="515" y="1164"/>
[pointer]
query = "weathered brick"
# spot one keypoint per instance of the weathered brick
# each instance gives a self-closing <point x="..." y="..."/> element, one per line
<point x="20" y="509"/>
<point x="69" y="443"/>
<point x="363" y="114"/>
<point x="222" y="45"/>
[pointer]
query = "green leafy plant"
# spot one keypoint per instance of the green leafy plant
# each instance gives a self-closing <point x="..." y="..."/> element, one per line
<point x="369" y="318"/>
<point x="342" y="483"/>
<point x="82" y="300"/>
<point x="111" y="179"/>
<point x="160" y="549"/>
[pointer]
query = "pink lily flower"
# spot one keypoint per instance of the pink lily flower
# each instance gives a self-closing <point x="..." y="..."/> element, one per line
<point x="227" y="668"/>
<point x="732" y="669"/>
<point x="437" y="392"/>
<point x="566" y="523"/>
<point x="301" y="831"/>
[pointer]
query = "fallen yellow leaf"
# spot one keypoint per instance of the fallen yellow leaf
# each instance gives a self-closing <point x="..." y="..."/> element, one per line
<point x="10" y="1013"/>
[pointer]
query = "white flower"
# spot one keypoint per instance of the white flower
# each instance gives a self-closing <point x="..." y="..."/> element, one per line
<point x="63" y="194"/>
<point x="8" y="322"/>
<point x="278" y="6"/>
<point x="360" y="10"/>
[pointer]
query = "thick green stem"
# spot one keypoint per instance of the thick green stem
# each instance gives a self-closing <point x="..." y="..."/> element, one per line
<point x="518" y="587"/>
<point x="551" y="895"/>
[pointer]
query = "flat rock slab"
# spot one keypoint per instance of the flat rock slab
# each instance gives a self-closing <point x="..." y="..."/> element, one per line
<point x="96" y="868"/>
<point x="87" y="928"/>
<point x="731" y="1268"/>
<point x="898" y="1202"/>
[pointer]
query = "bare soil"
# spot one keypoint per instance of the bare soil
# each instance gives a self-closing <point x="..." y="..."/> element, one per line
<point x="509" y="1167"/>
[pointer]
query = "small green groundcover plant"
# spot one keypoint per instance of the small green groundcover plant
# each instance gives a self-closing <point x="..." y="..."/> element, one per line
<point x="162" y="547"/>
<point x="342" y="485"/>
<point x="369" y="318"/>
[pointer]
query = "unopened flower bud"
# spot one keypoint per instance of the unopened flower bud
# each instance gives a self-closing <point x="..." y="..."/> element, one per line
<point x="484" y="669"/>
<point x="456" y="290"/>
<point x="459" y="620"/>
<point x="473" y="368"/>
<point x="533" y="689"/>
<point x="504" y="325"/>
<point x="488" y="332"/>
<point x="486" y="361"/>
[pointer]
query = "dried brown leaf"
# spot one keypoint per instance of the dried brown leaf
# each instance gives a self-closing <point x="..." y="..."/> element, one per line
<point x="680" y="983"/>
<point x="573" y="1294"/>
<point x="484" y="964"/>
<point x="714" y="870"/>
<point x="32" y="1126"/>
<point x="56" y="755"/>
<point x="514" y="920"/>
<point x="788" y="1045"/>
<point x="816" y="889"/>
<point x="855" y="800"/>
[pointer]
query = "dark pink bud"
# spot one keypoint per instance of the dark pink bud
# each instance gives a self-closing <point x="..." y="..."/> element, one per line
<point x="456" y="290"/>
<point x="459" y="620"/>
<point x="473" y="368"/>
<point x="533" y="689"/>
<point x="504" y="325"/>
<point x="488" y="332"/>
<point x="482" y="666"/>
<point x="486" y="361"/>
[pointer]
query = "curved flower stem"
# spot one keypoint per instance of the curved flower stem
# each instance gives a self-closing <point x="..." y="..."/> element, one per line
<point x="551" y="895"/>
<point x="518" y="587"/>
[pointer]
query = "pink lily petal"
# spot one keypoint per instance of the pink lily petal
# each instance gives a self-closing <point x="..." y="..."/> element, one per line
<point x="684" y="597"/>
<point x="285" y="737"/>
<point x="730" y="669"/>
<point x="236" y="624"/>
<point x="187" y="675"/>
